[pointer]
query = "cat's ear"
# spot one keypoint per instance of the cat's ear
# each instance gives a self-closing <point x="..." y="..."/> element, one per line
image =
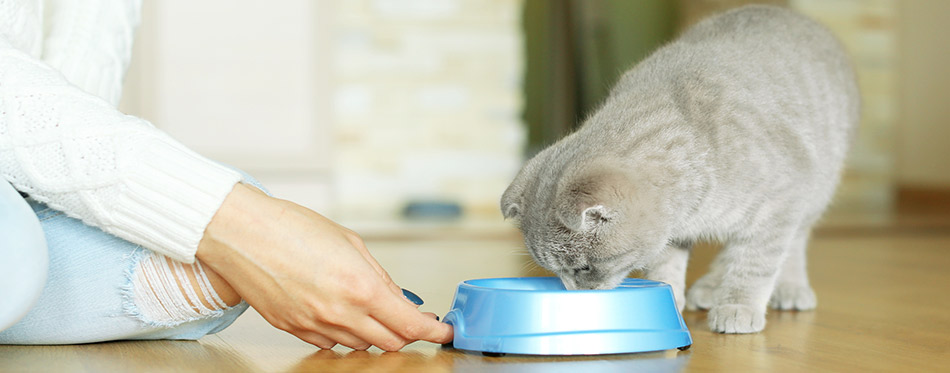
<point x="589" y="201"/>
<point x="585" y="219"/>
<point x="511" y="210"/>
<point x="511" y="201"/>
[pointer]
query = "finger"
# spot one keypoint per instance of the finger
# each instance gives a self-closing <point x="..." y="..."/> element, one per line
<point x="314" y="339"/>
<point x="431" y="315"/>
<point x="357" y="354"/>
<point x="326" y="355"/>
<point x="392" y="284"/>
<point x="361" y="247"/>
<point x="406" y="321"/>
<point x="345" y="338"/>
<point x="370" y="330"/>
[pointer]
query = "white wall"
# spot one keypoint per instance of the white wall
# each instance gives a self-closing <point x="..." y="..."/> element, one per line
<point x="350" y="107"/>
<point x="242" y="82"/>
<point x="428" y="104"/>
<point x="867" y="29"/>
<point x="924" y="127"/>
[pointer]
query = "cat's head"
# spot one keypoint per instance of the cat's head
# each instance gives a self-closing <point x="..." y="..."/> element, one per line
<point x="592" y="224"/>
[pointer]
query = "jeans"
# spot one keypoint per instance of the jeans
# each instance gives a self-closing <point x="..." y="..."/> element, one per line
<point x="86" y="296"/>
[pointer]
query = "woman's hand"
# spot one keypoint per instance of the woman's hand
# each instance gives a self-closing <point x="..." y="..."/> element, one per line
<point x="310" y="276"/>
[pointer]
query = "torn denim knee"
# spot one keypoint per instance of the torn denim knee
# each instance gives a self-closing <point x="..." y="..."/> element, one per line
<point x="161" y="292"/>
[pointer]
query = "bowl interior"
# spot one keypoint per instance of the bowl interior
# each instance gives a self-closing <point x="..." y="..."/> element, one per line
<point x="548" y="284"/>
<point x="529" y="283"/>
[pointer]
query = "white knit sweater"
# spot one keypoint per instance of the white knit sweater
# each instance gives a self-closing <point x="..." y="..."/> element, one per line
<point x="63" y="141"/>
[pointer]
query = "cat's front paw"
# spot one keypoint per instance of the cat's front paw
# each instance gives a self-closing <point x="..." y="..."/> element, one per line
<point x="700" y="295"/>
<point x="793" y="297"/>
<point x="736" y="319"/>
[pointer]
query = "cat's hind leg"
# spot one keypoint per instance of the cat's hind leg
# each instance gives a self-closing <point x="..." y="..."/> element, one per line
<point x="671" y="269"/>
<point x="792" y="290"/>
<point x="751" y="268"/>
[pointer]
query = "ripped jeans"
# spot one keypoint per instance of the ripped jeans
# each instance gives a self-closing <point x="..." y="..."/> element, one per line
<point x="100" y="287"/>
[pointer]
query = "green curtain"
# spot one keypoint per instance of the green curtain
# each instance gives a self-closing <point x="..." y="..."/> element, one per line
<point x="576" y="50"/>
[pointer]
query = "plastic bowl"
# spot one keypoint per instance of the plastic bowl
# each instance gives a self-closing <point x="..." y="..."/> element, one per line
<point x="538" y="316"/>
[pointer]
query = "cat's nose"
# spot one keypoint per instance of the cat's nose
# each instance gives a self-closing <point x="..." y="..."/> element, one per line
<point x="582" y="269"/>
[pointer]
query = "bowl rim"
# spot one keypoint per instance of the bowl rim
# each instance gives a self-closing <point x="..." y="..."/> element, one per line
<point x="467" y="284"/>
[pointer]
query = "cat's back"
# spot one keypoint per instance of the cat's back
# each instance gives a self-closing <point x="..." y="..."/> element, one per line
<point x="761" y="31"/>
<point x="757" y="51"/>
<point x="753" y="20"/>
<point x="759" y="44"/>
<point x="767" y="50"/>
<point x="758" y="69"/>
<point x="759" y="93"/>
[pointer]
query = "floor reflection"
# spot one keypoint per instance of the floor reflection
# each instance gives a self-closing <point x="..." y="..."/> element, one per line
<point x="123" y="356"/>
<point x="450" y="360"/>
<point x="363" y="361"/>
<point x="665" y="361"/>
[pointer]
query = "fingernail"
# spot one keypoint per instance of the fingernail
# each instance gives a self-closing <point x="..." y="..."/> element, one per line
<point x="412" y="297"/>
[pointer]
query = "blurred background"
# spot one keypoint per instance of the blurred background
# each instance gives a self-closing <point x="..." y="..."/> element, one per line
<point x="360" y="108"/>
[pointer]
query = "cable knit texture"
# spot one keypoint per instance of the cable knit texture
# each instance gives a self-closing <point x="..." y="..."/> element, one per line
<point x="63" y="141"/>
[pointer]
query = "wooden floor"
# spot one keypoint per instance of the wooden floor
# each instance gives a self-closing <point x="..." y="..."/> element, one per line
<point x="883" y="305"/>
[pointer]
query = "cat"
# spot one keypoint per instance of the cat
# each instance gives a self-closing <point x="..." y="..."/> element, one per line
<point x="736" y="132"/>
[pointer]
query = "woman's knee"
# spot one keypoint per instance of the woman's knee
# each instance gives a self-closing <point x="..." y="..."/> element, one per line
<point x="127" y="292"/>
<point x="24" y="259"/>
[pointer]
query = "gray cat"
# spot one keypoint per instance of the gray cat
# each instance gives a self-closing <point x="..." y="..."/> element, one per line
<point x="735" y="132"/>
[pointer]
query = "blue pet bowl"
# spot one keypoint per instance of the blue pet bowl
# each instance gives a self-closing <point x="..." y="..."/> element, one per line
<point x="538" y="316"/>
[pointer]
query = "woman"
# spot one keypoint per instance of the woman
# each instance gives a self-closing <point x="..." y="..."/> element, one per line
<point x="147" y="239"/>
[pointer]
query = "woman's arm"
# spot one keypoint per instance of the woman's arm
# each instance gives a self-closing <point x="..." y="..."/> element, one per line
<point x="310" y="276"/>
<point x="78" y="154"/>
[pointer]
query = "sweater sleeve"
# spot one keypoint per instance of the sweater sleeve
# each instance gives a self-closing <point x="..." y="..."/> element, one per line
<point x="90" y="42"/>
<point x="75" y="152"/>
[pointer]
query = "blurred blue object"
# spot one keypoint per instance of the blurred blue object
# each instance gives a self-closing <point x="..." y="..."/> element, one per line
<point x="538" y="316"/>
<point x="432" y="210"/>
